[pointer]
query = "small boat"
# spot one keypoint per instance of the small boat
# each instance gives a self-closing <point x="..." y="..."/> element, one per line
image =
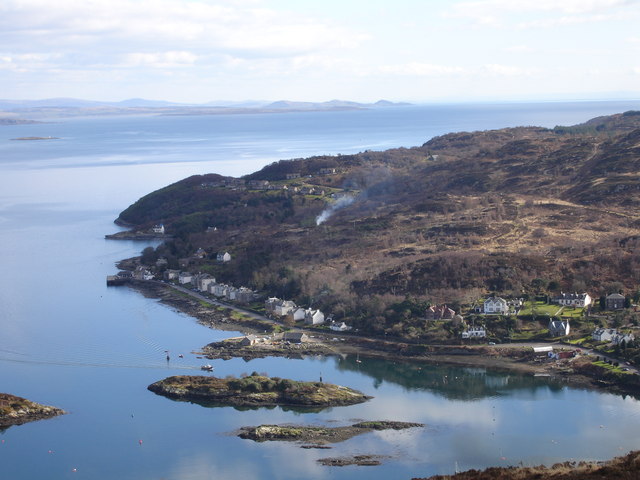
<point x="207" y="368"/>
<point x="181" y="356"/>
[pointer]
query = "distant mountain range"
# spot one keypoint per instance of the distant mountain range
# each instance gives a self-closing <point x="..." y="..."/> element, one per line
<point x="74" y="106"/>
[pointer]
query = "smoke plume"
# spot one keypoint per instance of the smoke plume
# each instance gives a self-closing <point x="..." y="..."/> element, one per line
<point x="337" y="205"/>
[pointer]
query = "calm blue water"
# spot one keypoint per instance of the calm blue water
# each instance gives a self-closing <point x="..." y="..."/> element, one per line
<point x="68" y="340"/>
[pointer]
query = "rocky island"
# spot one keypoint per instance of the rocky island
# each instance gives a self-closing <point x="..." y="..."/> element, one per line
<point x="17" y="410"/>
<point x="319" y="435"/>
<point x="256" y="391"/>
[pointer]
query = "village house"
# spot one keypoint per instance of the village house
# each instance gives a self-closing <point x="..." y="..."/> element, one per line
<point x="219" y="290"/>
<point x="159" y="229"/>
<point x="291" y="176"/>
<point x="184" y="277"/>
<point x="294" y="337"/>
<point x="141" y="273"/>
<point x="283" y="307"/>
<point x="296" y="314"/>
<point x="162" y="262"/>
<point x="614" y="301"/>
<point x="621" y="338"/>
<point x="249" y="340"/>
<point x="245" y="295"/>
<point x="496" y="305"/>
<point x="258" y="184"/>
<point x="313" y="317"/>
<point x="474" y="332"/>
<point x="327" y="171"/>
<point x="439" y="312"/>
<point x="339" y="327"/>
<point x="559" y="328"/>
<point x="204" y="280"/>
<point x="223" y="257"/>
<point x="270" y="304"/>
<point x="603" y="334"/>
<point x="200" y="253"/>
<point x="579" y="300"/>
<point x="171" y="274"/>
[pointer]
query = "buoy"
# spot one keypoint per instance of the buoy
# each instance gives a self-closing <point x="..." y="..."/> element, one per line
<point x="50" y="451"/>
<point x="74" y="470"/>
<point x="140" y="442"/>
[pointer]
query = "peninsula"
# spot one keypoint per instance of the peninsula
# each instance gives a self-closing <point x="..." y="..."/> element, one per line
<point x="256" y="391"/>
<point x="17" y="410"/>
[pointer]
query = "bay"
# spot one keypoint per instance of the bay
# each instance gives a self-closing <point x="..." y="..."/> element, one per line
<point x="68" y="340"/>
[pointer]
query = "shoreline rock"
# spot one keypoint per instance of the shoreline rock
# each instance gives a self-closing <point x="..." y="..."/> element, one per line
<point x="16" y="410"/>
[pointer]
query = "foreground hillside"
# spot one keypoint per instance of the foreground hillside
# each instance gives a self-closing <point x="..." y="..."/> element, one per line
<point x="621" y="468"/>
<point x="506" y="211"/>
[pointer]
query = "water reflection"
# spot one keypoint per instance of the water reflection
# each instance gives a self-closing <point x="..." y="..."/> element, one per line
<point x="454" y="383"/>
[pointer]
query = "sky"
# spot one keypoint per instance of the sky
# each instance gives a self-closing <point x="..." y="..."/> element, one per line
<point x="198" y="51"/>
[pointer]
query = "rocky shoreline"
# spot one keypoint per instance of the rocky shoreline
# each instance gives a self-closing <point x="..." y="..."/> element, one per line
<point x="17" y="410"/>
<point x="501" y="358"/>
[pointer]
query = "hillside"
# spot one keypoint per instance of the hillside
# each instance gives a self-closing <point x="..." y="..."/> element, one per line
<point x="466" y="213"/>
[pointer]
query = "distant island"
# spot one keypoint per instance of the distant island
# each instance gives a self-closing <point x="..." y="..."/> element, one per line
<point x="70" y="107"/>
<point x="36" y="138"/>
<point x="255" y="391"/>
<point x="17" y="410"/>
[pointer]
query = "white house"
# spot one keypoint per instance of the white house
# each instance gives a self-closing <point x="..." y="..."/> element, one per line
<point x="313" y="317"/>
<point x="340" y="327"/>
<point x="184" y="277"/>
<point x="284" y="307"/>
<point x="623" y="337"/>
<point x="171" y="274"/>
<point x="603" y="334"/>
<point x="474" y="332"/>
<point x="219" y="289"/>
<point x="573" y="299"/>
<point x="223" y="257"/>
<point x="559" y="328"/>
<point x="203" y="282"/>
<point x="270" y="303"/>
<point x="159" y="229"/>
<point x="496" y="305"/>
<point x="297" y="314"/>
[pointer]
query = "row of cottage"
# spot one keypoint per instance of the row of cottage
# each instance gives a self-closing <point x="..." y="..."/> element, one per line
<point x="498" y="305"/>
<point x="288" y="309"/>
<point x="207" y="283"/>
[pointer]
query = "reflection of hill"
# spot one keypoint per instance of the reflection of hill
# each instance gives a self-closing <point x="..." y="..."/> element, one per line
<point x="454" y="383"/>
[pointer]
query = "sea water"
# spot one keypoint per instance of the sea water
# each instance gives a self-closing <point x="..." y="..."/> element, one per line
<point x="66" y="339"/>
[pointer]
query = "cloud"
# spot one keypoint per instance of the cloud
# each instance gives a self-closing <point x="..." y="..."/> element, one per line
<point x="111" y="29"/>
<point x="546" y="13"/>
<point x="508" y="70"/>
<point x="421" y="69"/>
<point x="161" y="59"/>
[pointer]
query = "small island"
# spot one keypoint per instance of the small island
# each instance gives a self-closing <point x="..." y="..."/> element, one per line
<point x="318" y="435"/>
<point x="256" y="390"/>
<point x="17" y="410"/>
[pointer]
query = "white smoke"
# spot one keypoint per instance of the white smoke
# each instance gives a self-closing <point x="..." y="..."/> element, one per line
<point x="341" y="202"/>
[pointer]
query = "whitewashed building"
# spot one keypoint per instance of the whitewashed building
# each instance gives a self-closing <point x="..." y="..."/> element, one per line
<point x="474" y="332"/>
<point x="579" y="300"/>
<point x="313" y="317"/>
<point x="184" y="277"/>
<point x="559" y="328"/>
<point x="496" y="305"/>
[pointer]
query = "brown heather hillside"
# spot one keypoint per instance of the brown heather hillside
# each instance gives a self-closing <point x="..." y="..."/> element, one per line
<point x="464" y="214"/>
